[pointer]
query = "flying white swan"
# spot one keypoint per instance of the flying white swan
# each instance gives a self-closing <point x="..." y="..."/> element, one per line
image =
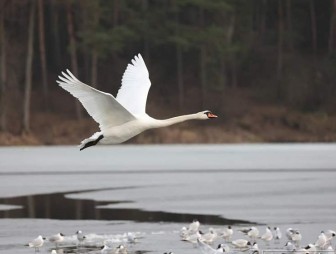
<point x="123" y="117"/>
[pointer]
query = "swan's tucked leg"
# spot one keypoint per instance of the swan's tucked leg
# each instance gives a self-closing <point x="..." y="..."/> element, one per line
<point x="90" y="142"/>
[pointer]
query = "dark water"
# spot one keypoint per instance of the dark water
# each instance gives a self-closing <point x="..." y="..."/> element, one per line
<point x="47" y="206"/>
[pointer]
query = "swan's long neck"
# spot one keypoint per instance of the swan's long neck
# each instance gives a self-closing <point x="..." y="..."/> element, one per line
<point x="174" y="120"/>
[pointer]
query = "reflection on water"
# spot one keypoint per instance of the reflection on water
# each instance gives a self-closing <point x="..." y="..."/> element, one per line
<point x="57" y="206"/>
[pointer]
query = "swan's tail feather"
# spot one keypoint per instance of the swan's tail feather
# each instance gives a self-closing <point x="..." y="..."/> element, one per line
<point x="91" y="141"/>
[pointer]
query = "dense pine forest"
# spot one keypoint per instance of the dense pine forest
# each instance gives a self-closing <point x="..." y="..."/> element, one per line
<point x="266" y="67"/>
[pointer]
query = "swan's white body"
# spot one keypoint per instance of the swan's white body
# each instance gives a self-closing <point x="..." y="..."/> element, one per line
<point x="123" y="117"/>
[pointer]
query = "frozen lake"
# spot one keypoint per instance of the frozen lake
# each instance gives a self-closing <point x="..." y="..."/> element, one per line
<point x="155" y="190"/>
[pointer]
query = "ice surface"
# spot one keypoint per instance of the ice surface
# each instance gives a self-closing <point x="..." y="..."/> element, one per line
<point x="286" y="185"/>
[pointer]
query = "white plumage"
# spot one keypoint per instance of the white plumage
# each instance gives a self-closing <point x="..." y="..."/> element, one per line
<point x="134" y="88"/>
<point x="36" y="243"/>
<point x="206" y="249"/>
<point x="268" y="235"/>
<point x="123" y="117"/>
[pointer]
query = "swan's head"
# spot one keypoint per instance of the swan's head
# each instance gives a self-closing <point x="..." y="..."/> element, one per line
<point x="207" y="114"/>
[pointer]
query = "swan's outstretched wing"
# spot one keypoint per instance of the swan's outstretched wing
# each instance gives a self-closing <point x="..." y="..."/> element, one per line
<point x="134" y="88"/>
<point x="103" y="107"/>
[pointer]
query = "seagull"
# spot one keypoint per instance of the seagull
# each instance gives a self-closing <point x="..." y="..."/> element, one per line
<point x="241" y="243"/>
<point x="80" y="237"/>
<point x="289" y="246"/>
<point x="268" y="236"/>
<point x="289" y="233"/>
<point x="296" y="238"/>
<point x="277" y="234"/>
<point x="254" y="249"/>
<point x="330" y="234"/>
<point x="251" y="232"/>
<point x="124" y="116"/>
<point x="106" y="249"/>
<point x="311" y="248"/>
<point x="121" y="249"/>
<point x="184" y="232"/>
<point x="209" y="237"/>
<point x="321" y="241"/>
<point x="131" y="238"/>
<point x="56" y="239"/>
<point x="227" y="233"/>
<point x="206" y="249"/>
<point x="37" y="243"/>
<point x="193" y="227"/>
<point x="193" y="238"/>
<point x="294" y="235"/>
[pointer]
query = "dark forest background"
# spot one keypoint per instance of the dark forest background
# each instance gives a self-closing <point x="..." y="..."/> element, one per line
<point x="266" y="67"/>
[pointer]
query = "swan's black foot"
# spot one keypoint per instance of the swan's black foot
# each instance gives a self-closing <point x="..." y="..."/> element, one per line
<point x="92" y="143"/>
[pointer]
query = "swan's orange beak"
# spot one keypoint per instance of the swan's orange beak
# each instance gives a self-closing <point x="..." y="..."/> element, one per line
<point x="210" y="115"/>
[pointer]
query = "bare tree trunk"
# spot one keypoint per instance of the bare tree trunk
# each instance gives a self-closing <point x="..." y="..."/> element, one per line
<point x="29" y="65"/>
<point x="203" y="60"/>
<point x="115" y="13"/>
<point x="179" y="59"/>
<point x="3" y="76"/>
<point x="94" y="51"/>
<point x="94" y="67"/>
<point x="280" y="47"/>
<point x="263" y="19"/>
<point x="280" y="40"/>
<point x="43" y="53"/>
<point x="289" y="24"/>
<point x="146" y="41"/>
<point x="73" y="51"/>
<point x="229" y="39"/>
<point x="54" y="20"/>
<point x="313" y="26"/>
<point x="332" y="33"/>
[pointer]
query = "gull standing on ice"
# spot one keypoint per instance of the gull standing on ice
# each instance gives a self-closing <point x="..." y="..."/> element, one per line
<point x="80" y="237"/>
<point x="330" y="234"/>
<point x="311" y="248"/>
<point x="209" y="237"/>
<point x="193" y="238"/>
<point x="268" y="236"/>
<point x="241" y="243"/>
<point x="296" y="238"/>
<point x="290" y="247"/>
<point x="254" y="249"/>
<point x="37" y="243"/>
<point x="227" y="233"/>
<point x="106" y="249"/>
<point x="124" y="116"/>
<point x="58" y="238"/>
<point x="321" y="241"/>
<point x="277" y="234"/>
<point x="251" y="232"/>
<point x="194" y="226"/>
<point x="121" y="249"/>
<point x="294" y="235"/>
<point x="206" y="249"/>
